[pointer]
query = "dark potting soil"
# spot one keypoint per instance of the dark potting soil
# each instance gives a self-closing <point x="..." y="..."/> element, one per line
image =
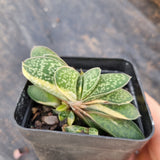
<point x="45" y="117"/>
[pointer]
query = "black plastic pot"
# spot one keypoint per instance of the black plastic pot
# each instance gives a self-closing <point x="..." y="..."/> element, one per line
<point x="68" y="146"/>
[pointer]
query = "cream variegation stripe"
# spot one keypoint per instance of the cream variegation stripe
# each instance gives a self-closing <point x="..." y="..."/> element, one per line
<point x="51" y="88"/>
<point x="103" y="109"/>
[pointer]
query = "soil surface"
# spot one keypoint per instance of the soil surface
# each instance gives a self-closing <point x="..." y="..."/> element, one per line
<point x="43" y="117"/>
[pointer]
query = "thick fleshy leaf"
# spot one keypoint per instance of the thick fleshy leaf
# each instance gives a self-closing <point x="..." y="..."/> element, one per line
<point x="118" y="97"/>
<point x="40" y="51"/>
<point x="117" y="127"/>
<point x="108" y="83"/>
<point x="80" y="129"/>
<point x="90" y="80"/>
<point x="70" y="118"/>
<point x="125" y="111"/>
<point x="79" y="87"/>
<point x="62" y="107"/>
<point x="66" y="81"/>
<point x="41" y="96"/>
<point x="93" y="131"/>
<point x="40" y="71"/>
<point x="63" y="115"/>
<point x="57" y="58"/>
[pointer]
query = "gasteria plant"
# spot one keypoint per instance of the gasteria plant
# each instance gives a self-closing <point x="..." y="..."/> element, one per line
<point x="98" y="99"/>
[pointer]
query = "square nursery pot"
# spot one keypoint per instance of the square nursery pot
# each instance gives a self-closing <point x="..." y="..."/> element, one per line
<point x="59" y="145"/>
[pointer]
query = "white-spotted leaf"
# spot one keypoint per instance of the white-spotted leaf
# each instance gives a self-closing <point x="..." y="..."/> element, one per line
<point x="80" y="129"/>
<point x="125" y="111"/>
<point x="40" y="71"/>
<point x="119" y="97"/>
<point x="57" y="58"/>
<point x="117" y="127"/>
<point x="108" y="83"/>
<point x="66" y="81"/>
<point x="90" y="80"/>
<point x="40" y="51"/>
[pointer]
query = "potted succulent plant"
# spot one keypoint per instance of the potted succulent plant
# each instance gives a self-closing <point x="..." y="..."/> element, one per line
<point x="94" y="103"/>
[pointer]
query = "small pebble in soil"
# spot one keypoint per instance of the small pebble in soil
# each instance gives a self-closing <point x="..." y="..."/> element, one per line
<point x="38" y="124"/>
<point x="44" y="118"/>
<point x="50" y="120"/>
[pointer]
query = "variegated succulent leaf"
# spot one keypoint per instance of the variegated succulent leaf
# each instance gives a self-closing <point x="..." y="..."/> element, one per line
<point x="40" y="51"/>
<point x="62" y="107"/>
<point x="63" y="115"/>
<point x="80" y="129"/>
<point x="93" y="131"/>
<point x="90" y="80"/>
<point x="125" y="111"/>
<point x="40" y="71"/>
<point x="66" y="82"/>
<point x="56" y="57"/>
<point x="119" y="97"/>
<point x="96" y="98"/>
<point x="70" y="118"/>
<point x="41" y="96"/>
<point x="117" y="127"/>
<point x="79" y="87"/>
<point x="108" y="83"/>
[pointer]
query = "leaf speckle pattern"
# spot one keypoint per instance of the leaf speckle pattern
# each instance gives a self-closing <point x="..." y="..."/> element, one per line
<point x="42" y="68"/>
<point x="40" y="51"/>
<point x="118" y="97"/>
<point x="118" y="127"/>
<point x="109" y="83"/>
<point x="96" y="98"/>
<point x="66" y="81"/>
<point x="90" y="80"/>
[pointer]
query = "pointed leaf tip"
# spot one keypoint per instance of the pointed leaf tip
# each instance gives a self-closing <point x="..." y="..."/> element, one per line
<point x="40" y="51"/>
<point x="90" y="80"/>
<point x="108" y="83"/>
<point x="40" y="71"/>
<point x="119" y="97"/>
<point x="117" y="127"/>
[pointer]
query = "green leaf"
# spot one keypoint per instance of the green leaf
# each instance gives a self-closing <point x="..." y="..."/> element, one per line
<point x="108" y="83"/>
<point x="79" y="87"/>
<point x="63" y="115"/>
<point x="70" y="118"/>
<point x="62" y="107"/>
<point x="118" y="97"/>
<point x="125" y="111"/>
<point x="40" y="51"/>
<point x="80" y="129"/>
<point x="93" y="131"/>
<point x="66" y="81"/>
<point x="40" y="71"/>
<point x="76" y="129"/>
<point x="90" y="80"/>
<point x="117" y="127"/>
<point x="57" y="58"/>
<point x="42" y="97"/>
